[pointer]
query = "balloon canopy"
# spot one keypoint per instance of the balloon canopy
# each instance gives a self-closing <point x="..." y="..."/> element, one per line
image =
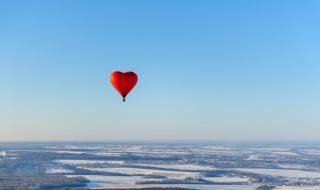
<point x="123" y="82"/>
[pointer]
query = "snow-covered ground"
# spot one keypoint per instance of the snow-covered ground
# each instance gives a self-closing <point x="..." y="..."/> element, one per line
<point x="51" y="170"/>
<point x="179" y="166"/>
<point x="283" y="173"/>
<point x="226" y="179"/>
<point x="188" y="186"/>
<point x="72" y="147"/>
<point x="270" y="149"/>
<point x="285" y="153"/>
<point x="221" y="152"/>
<point x="312" y="152"/>
<point x="296" y="188"/>
<point x="109" y="154"/>
<point x="76" y="162"/>
<point x="69" y="152"/>
<point x="185" y="168"/>
<point x="124" y="182"/>
<point x="294" y="166"/>
<point x="253" y="157"/>
<point x="139" y="171"/>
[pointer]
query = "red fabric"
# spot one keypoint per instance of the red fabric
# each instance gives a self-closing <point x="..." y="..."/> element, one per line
<point x="123" y="82"/>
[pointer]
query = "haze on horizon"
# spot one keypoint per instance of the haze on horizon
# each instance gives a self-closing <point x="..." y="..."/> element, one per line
<point x="208" y="70"/>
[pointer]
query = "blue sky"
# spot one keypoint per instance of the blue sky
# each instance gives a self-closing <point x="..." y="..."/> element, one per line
<point x="208" y="70"/>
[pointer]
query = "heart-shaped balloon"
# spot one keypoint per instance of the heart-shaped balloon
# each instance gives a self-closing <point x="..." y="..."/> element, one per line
<point x="123" y="82"/>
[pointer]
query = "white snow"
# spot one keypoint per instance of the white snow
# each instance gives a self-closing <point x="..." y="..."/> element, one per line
<point x="57" y="170"/>
<point x="75" y="162"/>
<point x="293" y="166"/>
<point x="226" y="179"/>
<point x="296" y="188"/>
<point x="71" y="147"/>
<point x="69" y="152"/>
<point x="125" y="182"/>
<point x="253" y="157"/>
<point x="312" y="152"/>
<point x="186" y="186"/>
<point x="140" y="171"/>
<point x="270" y="149"/>
<point x="179" y="167"/>
<point x="108" y="154"/>
<point x="283" y="173"/>
<point x="285" y="153"/>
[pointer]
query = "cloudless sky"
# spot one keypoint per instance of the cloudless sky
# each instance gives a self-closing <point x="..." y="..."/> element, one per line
<point x="208" y="70"/>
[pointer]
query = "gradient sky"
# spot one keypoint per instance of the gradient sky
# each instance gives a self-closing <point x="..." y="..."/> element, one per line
<point x="208" y="70"/>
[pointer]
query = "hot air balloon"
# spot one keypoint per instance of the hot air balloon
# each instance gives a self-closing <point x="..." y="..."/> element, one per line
<point x="123" y="82"/>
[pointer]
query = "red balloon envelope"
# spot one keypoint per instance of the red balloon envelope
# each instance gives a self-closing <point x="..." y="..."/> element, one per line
<point x="123" y="82"/>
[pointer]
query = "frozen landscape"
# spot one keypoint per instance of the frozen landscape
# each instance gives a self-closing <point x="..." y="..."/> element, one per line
<point x="225" y="166"/>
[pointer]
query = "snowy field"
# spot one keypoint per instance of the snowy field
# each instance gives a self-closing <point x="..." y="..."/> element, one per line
<point x="179" y="166"/>
<point x="228" y="166"/>
<point x="296" y="188"/>
<point x="140" y="171"/>
<point x="312" y="152"/>
<point x="51" y="170"/>
<point x="97" y="182"/>
<point x="227" y="179"/>
<point x="68" y="152"/>
<point x="78" y="162"/>
<point x="109" y="154"/>
<point x="283" y="173"/>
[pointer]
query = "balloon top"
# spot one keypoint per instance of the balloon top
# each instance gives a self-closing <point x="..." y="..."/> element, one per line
<point x="123" y="82"/>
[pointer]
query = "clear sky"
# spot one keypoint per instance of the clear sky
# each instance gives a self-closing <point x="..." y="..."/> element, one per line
<point x="208" y="70"/>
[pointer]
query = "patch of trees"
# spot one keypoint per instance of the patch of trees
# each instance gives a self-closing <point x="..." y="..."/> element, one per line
<point x="42" y="182"/>
<point x="265" y="187"/>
